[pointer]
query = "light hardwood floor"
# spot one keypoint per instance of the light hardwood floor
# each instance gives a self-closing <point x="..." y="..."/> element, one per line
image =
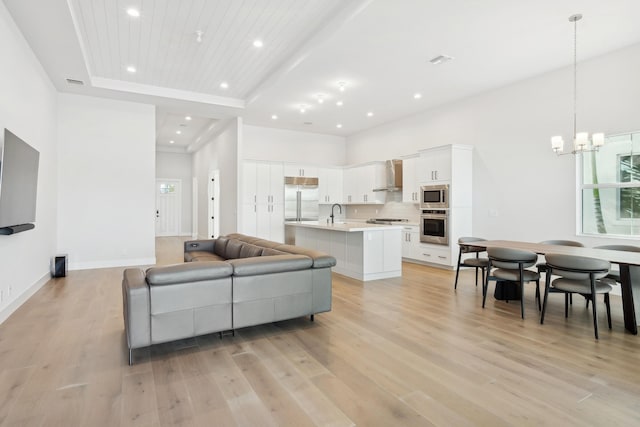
<point x="401" y="352"/>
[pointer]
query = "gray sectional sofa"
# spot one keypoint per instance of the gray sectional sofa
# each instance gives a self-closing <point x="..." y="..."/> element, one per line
<point x="226" y="283"/>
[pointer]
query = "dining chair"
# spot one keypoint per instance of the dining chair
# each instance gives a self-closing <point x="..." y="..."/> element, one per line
<point x="542" y="267"/>
<point x="512" y="265"/>
<point x="466" y="247"/>
<point x="581" y="275"/>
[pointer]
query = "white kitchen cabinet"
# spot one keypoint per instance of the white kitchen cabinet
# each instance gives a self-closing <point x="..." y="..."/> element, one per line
<point x="263" y="200"/>
<point x="410" y="241"/>
<point x="410" y="182"/>
<point x="434" y="164"/>
<point x="359" y="182"/>
<point x="330" y="185"/>
<point x="436" y="254"/>
<point x="292" y="169"/>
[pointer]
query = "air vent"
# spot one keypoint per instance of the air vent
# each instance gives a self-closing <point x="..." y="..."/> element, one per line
<point x="75" y="82"/>
<point x="308" y="123"/>
<point x="440" y="59"/>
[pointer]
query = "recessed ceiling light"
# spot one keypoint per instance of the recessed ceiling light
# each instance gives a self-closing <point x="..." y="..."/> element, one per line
<point x="258" y="43"/>
<point x="224" y="85"/>
<point x="274" y="117"/>
<point x="178" y="132"/>
<point x="339" y="125"/>
<point x="440" y="59"/>
<point x="369" y="114"/>
<point x="131" y="69"/>
<point x="133" y="12"/>
<point x="339" y="103"/>
<point x="187" y="118"/>
<point x="199" y="35"/>
<point x="342" y="86"/>
<point x="303" y="108"/>
<point x="172" y="142"/>
<point x="417" y="95"/>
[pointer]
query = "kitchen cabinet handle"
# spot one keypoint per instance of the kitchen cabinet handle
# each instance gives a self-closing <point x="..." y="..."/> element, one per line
<point x="426" y="254"/>
<point x="442" y="257"/>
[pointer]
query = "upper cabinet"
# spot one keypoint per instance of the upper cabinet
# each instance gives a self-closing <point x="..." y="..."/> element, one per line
<point x="410" y="181"/>
<point x="434" y="164"/>
<point x="359" y="182"/>
<point x="330" y="185"/>
<point x="291" y="169"/>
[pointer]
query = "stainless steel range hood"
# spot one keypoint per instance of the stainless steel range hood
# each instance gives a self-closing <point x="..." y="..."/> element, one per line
<point x="393" y="176"/>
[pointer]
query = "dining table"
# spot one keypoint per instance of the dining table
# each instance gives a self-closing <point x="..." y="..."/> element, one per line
<point x="624" y="259"/>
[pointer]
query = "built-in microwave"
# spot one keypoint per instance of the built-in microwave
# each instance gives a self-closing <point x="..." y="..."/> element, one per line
<point x="434" y="196"/>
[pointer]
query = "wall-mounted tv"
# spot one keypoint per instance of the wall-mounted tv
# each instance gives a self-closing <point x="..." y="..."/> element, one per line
<point x="18" y="184"/>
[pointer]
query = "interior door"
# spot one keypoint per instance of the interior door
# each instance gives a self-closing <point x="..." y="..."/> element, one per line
<point x="168" y="207"/>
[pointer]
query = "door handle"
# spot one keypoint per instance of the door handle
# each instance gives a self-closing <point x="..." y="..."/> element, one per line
<point x="157" y="213"/>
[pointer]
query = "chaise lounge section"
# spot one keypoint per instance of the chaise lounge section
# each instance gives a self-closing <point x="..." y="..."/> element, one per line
<point x="227" y="283"/>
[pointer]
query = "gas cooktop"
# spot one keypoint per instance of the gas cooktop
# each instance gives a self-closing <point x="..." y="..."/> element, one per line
<point x="388" y="221"/>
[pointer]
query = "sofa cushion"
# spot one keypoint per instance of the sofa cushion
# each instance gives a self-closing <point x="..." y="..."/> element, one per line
<point x="233" y="249"/>
<point x="320" y="259"/>
<point x="200" y="255"/>
<point x="190" y="272"/>
<point x="269" y="252"/>
<point x="220" y="246"/>
<point x="270" y="264"/>
<point x="248" y="250"/>
<point x="210" y="257"/>
<point x="266" y="243"/>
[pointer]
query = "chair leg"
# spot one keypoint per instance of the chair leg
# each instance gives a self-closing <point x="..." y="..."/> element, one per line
<point x="455" y="286"/>
<point x="485" y="285"/>
<point x="546" y="294"/>
<point x="606" y="302"/>
<point x="566" y="304"/>
<point x="593" y="306"/>
<point x="521" y="291"/>
<point x="538" y="295"/>
<point x="476" y="276"/>
<point x="571" y="299"/>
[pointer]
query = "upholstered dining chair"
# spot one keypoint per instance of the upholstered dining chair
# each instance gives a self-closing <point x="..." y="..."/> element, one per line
<point x="542" y="267"/>
<point x="512" y="265"/>
<point x="581" y="275"/>
<point x="466" y="247"/>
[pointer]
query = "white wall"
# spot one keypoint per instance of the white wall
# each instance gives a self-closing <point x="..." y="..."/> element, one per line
<point x="178" y="166"/>
<point x="106" y="181"/>
<point x="262" y="143"/>
<point x="515" y="173"/>
<point x="28" y="109"/>
<point x="221" y="154"/>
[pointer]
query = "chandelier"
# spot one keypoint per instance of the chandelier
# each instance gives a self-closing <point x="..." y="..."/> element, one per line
<point x="581" y="141"/>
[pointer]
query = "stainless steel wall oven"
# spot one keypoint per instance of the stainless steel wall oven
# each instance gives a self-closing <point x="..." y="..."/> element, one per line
<point x="434" y="226"/>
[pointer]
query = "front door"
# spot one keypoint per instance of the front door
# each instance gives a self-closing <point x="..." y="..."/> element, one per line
<point x="168" y="207"/>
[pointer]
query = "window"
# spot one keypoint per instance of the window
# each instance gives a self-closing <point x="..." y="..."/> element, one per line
<point x="610" y="188"/>
<point x="167" y="188"/>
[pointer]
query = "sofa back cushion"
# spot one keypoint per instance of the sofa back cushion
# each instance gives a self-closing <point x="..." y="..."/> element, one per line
<point x="270" y="252"/>
<point x="232" y="251"/>
<point x="220" y="246"/>
<point x="248" y="250"/>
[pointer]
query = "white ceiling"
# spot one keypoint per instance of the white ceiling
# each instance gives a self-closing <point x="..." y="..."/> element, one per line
<point x="380" y="48"/>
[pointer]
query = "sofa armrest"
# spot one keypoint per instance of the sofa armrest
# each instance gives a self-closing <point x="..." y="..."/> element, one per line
<point x="199" y="245"/>
<point x="189" y="272"/>
<point x="269" y="264"/>
<point x="136" y="308"/>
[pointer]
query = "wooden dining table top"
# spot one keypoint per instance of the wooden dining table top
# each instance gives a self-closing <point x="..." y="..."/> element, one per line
<point x="616" y="257"/>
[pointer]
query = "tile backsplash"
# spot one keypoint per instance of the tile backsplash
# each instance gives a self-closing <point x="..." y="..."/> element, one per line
<point x="393" y="208"/>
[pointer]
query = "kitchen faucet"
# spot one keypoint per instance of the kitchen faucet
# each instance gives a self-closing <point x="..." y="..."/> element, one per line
<point x="332" y="215"/>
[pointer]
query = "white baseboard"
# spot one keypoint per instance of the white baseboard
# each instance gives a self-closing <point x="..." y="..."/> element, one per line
<point x="22" y="298"/>
<point x="112" y="263"/>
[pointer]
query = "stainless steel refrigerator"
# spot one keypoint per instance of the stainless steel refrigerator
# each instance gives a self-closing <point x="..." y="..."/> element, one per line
<point x="301" y="198"/>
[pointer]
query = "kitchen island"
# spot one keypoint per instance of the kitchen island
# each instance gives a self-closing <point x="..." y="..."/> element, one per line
<point x="362" y="251"/>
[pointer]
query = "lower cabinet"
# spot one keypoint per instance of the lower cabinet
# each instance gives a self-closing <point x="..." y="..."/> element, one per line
<point x="414" y="250"/>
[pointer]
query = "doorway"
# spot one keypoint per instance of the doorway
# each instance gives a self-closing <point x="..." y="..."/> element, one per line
<point x="168" y="207"/>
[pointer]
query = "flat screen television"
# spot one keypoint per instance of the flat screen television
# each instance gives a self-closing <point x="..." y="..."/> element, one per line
<point x="18" y="184"/>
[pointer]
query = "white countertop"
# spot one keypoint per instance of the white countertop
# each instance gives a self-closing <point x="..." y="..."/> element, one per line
<point x="347" y="227"/>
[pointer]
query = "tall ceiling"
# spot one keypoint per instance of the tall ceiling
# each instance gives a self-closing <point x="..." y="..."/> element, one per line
<point x="197" y="57"/>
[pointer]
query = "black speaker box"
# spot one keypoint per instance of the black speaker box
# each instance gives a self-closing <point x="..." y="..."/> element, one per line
<point x="59" y="266"/>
